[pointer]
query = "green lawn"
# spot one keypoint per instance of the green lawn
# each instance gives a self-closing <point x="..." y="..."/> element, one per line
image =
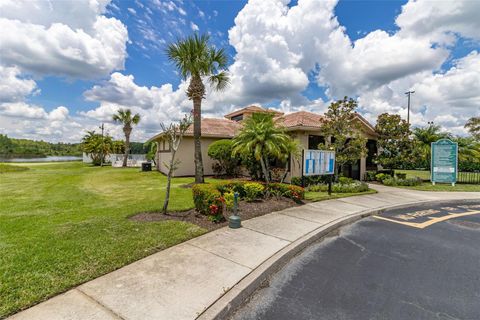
<point x="9" y="168"/>
<point x="427" y="186"/>
<point x="319" y="196"/>
<point x="64" y="224"/>
<point x="423" y="174"/>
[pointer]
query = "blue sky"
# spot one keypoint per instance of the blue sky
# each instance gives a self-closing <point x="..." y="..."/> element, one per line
<point x="151" y="67"/>
<point x="323" y="50"/>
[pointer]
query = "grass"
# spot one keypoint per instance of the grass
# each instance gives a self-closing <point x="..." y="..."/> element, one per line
<point x="65" y="223"/>
<point x="9" y="168"/>
<point x="427" y="186"/>
<point x="320" y="196"/>
<point x="423" y="174"/>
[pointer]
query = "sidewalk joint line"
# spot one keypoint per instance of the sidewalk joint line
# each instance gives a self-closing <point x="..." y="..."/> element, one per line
<point x="89" y="297"/>
<point x="266" y="234"/>
<point x="216" y="254"/>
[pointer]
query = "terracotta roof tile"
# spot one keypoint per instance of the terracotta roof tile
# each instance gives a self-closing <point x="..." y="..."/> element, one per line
<point x="300" y="119"/>
<point x="251" y="109"/>
<point x="217" y="128"/>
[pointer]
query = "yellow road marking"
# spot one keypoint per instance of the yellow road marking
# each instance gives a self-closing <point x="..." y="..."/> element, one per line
<point x="432" y="220"/>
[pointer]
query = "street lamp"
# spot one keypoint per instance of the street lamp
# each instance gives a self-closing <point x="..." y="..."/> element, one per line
<point x="408" y="93"/>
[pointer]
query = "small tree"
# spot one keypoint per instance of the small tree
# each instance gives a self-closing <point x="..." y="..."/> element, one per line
<point x="394" y="143"/>
<point x="174" y="134"/>
<point x="342" y="127"/>
<point x="262" y="139"/>
<point x="96" y="146"/>
<point x="221" y="150"/>
<point x="125" y="117"/>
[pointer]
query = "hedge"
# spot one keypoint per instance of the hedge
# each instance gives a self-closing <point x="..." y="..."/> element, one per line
<point x="210" y="197"/>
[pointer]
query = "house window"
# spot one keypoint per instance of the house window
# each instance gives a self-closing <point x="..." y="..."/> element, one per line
<point x="314" y="141"/>
<point x="237" y="118"/>
<point x="163" y="146"/>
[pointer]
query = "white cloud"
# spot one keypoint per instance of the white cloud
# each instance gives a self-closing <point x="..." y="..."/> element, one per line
<point x="436" y="19"/>
<point x="71" y="39"/>
<point x="12" y="87"/>
<point x="193" y="26"/>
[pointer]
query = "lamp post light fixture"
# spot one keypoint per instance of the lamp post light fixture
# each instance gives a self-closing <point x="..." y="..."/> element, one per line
<point x="408" y="93"/>
<point x="234" y="221"/>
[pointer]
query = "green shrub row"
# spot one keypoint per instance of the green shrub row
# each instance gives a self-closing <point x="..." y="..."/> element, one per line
<point x="396" y="181"/>
<point x="346" y="187"/>
<point x="209" y="198"/>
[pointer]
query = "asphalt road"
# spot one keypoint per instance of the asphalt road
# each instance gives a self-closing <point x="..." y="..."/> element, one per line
<point x="421" y="263"/>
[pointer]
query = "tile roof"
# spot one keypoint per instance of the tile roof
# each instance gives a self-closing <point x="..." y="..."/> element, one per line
<point x="251" y="109"/>
<point x="215" y="127"/>
<point x="300" y="119"/>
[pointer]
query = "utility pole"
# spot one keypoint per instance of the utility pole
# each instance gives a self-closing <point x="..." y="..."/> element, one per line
<point x="408" y="93"/>
<point x="101" y="154"/>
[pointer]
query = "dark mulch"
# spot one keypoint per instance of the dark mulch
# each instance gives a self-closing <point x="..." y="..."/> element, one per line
<point x="247" y="210"/>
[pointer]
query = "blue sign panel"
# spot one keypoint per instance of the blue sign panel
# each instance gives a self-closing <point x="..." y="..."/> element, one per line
<point x="318" y="162"/>
<point x="444" y="161"/>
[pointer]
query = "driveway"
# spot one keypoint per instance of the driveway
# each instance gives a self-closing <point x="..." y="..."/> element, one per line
<point x="420" y="262"/>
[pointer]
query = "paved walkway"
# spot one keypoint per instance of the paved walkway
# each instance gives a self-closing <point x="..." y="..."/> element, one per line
<point x="183" y="281"/>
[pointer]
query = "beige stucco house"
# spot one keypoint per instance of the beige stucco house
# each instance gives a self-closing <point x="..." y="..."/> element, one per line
<point x="302" y="125"/>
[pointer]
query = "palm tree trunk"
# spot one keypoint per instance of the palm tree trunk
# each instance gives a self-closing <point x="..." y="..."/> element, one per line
<point x="127" y="147"/>
<point x="197" y="133"/>
<point x="264" y="169"/>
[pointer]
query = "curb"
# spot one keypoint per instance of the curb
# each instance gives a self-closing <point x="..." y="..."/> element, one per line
<point x="224" y="306"/>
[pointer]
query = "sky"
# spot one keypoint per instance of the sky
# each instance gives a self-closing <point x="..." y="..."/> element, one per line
<point x="68" y="66"/>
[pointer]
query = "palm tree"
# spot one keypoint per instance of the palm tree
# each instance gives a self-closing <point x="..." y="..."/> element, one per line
<point x="424" y="138"/>
<point x="98" y="147"/>
<point x="196" y="59"/>
<point x="125" y="117"/>
<point x="261" y="138"/>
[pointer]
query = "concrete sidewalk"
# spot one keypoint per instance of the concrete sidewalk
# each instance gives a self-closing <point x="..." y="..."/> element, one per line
<point x="185" y="280"/>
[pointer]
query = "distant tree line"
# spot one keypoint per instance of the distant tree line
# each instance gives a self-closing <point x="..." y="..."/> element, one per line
<point x="13" y="148"/>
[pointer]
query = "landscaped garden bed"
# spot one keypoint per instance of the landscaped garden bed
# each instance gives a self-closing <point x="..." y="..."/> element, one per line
<point x="246" y="210"/>
<point x="214" y="202"/>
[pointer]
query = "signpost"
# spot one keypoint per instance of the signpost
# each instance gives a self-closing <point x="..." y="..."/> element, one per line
<point x="318" y="162"/>
<point x="444" y="162"/>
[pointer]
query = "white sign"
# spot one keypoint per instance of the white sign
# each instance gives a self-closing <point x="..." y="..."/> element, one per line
<point x="318" y="162"/>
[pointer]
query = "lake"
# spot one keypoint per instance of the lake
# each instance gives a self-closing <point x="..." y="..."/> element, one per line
<point x="46" y="159"/>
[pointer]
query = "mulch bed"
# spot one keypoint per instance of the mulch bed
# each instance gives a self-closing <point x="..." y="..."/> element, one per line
<point x="247" y="210"/>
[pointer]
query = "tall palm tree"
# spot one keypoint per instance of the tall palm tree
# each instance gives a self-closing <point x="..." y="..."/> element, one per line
<point x="261" y="138"/>
<point x="124" y="116"/>
<point x="196" y="59"/>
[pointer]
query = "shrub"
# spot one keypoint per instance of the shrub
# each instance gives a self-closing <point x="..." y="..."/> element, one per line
<point x="394" y="181"/>
<point x="229" y="200"/>
<point x="310" y="180"/>
<point x="382" y="176"/>
<point x="352" y="187"/>
<point x="401" y="175"/>
<point x="221" y="151"/>
<point x="355" y="186"/>
<point x="370" y="175"/>
<point x="207" y="199"/>
<point x="293" y="192"/>
<point x="345" y="180"/>
<point x="253" y="190"/>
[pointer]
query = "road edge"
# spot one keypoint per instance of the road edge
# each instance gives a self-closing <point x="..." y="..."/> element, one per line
<point x="235" y="297"/>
